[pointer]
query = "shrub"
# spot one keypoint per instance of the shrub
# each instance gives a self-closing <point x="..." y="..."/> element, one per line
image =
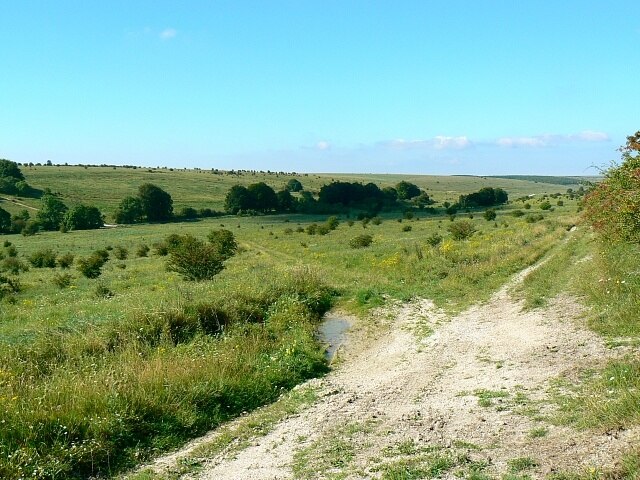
<point x="31" y="227"/>
<point x="11" y="251"/>
<point x="91" y="266"/>
<point x="332" y="223"/>
<point x="45" y="258"/>
<point x="161" y="249"/>
<point x="406" y="228"/>
<point x="545" y="205"/>
<point x="376" y="221"/>
<point x="517" y="213"/>
<point x="560" y="203"/>
<point x="62" y="280"/>
<point x="142" y="250"/>
<point x="408" y="215"/>
<point x="8" y="286"/>
<point x="224" y="241"/>
<point x="361" y="241"/>
<point x="120" y="252"/>
<point x="532" y="218"/>
<point x="490" y="215"/>
<point x="66" y="260"/>
<point x="527" y="206"/>
<point x="13" y="265"/>
<point x="434" y="239"/>
<point x="461" y="230"/>
<point x="102" y="291"/>
<point x="196" y="260"/>
<point x="312" y="229"/>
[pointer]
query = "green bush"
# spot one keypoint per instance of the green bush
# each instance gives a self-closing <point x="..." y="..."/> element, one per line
<point x="91" y="266"/>
<point x="406" y="228"/>
<point x="461" y="230"/>
<point x="142" y="250"/>
<point x="66" y="260"/>
<point x="361" y="241"/>
<point x="517" y="213"/>
<point x="434" y="239"/>
<point x="545" y="205"/>
<point x="120" y="252"/>
<point x="196" y="260"/>
<point x="8" y="286"/>
<point x="534" y="217"/>
<point x="490" y="214"/>
<point x="13" y="265"/>
<point x="224" y="241"/>
<point x="62" y="280"/>
<point x="45" y="258"/>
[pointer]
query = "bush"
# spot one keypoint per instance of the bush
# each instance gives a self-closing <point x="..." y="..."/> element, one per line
<point x="62" y="280"/>
<point x="8" y="286"/>
<point x="461" y="230"/>
<point x="120" y="252"/>
<point x="376" y="221"/>
<point x="161" y="249"/>
<point x="545" y="205"/>
<point x="142" y="250"/>
<point x="66" y="260"/>
<point x="332" y="223"/>
<point x="196" y="260"/>
<point x="613" y="206"/>
<point x="406" y="228"/>
<point x="361" y="241"/>
<point x="434" y="239"/>
<point x="45" y="258"/>
<point x="224" y="241"/>
<point x="102" y="291"/>
<point x="91" y="267"/>
<point x="13" y="265"/>
<point x="532" y="218"/>
<point x="11" y="251"/>
<point x="31" y="227"/>
<point x="490" y="215"/>
<point x="517" y="213"/>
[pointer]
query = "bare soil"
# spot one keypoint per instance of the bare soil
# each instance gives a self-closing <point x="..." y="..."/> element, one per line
<point x="477" y="383"/>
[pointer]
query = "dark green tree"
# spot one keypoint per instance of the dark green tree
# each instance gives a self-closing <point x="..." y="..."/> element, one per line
<point x="51" y="213"/>
<point x="293" y="185"/>
<point x="263" y="197"/>
<point x="286" y="202"/>
<point x="5" y="221"/>
<point x="407" y="190"/>
<point x="83" y="217"/>
<point x="10" y="169"/>
<point x="129" y="211"/>
<point x="237" y="199"/>
<point x="157" y="205"/>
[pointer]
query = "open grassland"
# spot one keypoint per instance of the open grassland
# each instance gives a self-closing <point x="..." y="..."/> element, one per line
<point x="104" y="187"/>
<point x="99" y="374"/>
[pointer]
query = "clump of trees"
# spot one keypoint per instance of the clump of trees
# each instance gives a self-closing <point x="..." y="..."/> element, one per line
<point x="152" y="204"/>
<point x="613" y="205"/>
<point x="485" y="197"/>
<point x="334" y="197"/>
<point x="12" y="181"/>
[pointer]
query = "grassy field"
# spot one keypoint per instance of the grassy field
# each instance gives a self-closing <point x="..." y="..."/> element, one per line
<point x="98" y="374"/>
<point x="104" y="187"/>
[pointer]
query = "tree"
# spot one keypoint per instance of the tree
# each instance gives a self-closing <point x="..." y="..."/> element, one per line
<point x="195" y="260"/>
<point x="129" y="210"/>
<point x="51" y="214"/>
<point x="5" y="221"/>
<point x="490" y="214"/>
<point x="294" y="185"/>
<point x="263" y="197"/>
<point x="407" y="190"/>
<point x="286" y="202"/>
<point x="157" y="205"/>
<point x="10" y="169"/>
<point x="224" y="241"/>
<point x="485" y="197"/>
<point x="83" y="217"/>
<point x="237" y="199"/>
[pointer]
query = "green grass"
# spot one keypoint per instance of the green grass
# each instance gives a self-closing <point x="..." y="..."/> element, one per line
<point x="96" y="383"/>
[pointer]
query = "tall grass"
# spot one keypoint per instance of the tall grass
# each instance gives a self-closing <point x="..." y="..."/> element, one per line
<point x="80" y="405"/>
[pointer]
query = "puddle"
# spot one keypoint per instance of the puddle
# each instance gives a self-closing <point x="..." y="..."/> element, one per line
<point x="333" y="333"/>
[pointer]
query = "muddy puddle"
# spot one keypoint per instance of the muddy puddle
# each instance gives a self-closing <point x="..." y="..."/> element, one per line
<point x="333" y="333"/>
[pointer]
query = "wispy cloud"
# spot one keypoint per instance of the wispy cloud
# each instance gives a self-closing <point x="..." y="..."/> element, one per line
<point x="552" y="139"/>
<point x="323" y="145"/>
<point x="168" y="33"/>
<point x="439" y="142"/>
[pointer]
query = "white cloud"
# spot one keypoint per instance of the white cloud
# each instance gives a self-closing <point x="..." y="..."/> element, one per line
<point x="456" y="143"/>
<point x="552" y="139"/>
<point x="168" y="33"/>
<point x="439" y="142"/>
<point x="323" y="145"/>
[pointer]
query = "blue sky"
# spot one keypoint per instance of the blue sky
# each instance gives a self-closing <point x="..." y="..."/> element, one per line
<point x="433" y="87"/>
